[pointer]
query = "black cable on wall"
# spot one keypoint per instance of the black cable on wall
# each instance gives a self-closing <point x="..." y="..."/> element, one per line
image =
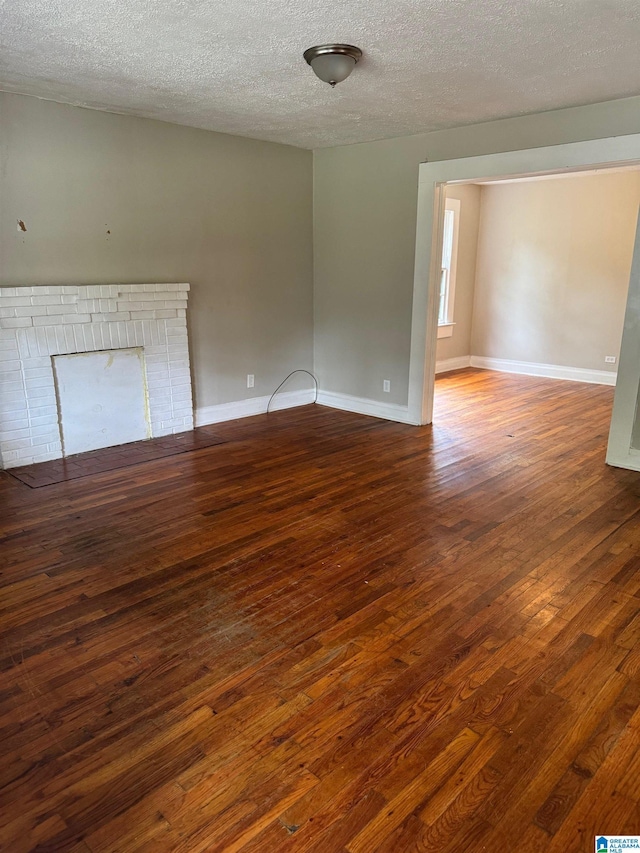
<point x="289" y="377"/>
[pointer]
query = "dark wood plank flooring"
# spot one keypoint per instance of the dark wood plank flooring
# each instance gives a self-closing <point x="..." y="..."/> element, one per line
<point x="111" y="458"/>
<point x="331" y="634"/>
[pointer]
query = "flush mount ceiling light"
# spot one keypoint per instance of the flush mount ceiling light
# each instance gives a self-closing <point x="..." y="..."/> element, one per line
<point x="333" y="62"/>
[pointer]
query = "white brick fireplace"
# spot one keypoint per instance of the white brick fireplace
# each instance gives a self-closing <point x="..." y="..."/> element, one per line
<point x="41" y="322"/>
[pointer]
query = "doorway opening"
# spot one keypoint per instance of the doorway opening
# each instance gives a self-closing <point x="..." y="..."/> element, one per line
<point x="517" y="167"/>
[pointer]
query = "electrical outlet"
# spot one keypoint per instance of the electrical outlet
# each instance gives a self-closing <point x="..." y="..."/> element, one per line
<point x="610" y="359"/>
<point x="251" y="380"/>
<point x="386" y="385"/>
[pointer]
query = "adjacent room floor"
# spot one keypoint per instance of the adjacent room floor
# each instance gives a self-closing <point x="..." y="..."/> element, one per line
<point x="331" y="633"/>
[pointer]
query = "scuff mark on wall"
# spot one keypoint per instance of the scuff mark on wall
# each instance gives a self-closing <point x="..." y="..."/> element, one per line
<point x="21" y="225"/>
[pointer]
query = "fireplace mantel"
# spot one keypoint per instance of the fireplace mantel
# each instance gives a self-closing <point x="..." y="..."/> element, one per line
<point x="39" y="322"/>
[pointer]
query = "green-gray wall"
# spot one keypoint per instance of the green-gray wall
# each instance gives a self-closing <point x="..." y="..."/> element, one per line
<point x="108" y="198"/>
<point x="233" y="217"/>
<point x="365" y="201"/>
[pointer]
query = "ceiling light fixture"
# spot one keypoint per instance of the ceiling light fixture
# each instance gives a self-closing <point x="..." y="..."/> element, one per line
<point x="333" y="62"/>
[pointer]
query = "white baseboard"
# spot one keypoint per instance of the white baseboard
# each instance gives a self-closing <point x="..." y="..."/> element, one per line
<point x="391" y="411"/>
<point x="362" y="406"/>
<point x="457" y="363"/>
<point x="630" y="460"/>
<point x="253" y="406"/>
<point x="550" y="371"/>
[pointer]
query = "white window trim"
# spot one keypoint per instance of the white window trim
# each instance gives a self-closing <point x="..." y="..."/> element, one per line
<point x="445" y="330"/>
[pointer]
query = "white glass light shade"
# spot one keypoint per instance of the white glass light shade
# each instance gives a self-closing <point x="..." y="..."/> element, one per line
<point x="333" y="63"/>
<point x="333" y="67"/>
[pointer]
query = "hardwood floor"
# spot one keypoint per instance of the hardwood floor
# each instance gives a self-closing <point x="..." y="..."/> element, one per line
<point x="331" y="634"/>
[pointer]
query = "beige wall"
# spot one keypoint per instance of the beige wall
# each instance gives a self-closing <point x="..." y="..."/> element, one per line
<point x="459" y="344"/>
<point x="231" y="216"/>
<point x="554" y="258"/>
<point x="365" y="202"/>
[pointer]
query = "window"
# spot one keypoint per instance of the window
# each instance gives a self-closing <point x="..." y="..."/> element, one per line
<point x="448" y="270"/>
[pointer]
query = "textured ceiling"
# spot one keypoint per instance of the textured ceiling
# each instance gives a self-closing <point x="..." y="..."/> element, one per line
<point x="237" y="67"/>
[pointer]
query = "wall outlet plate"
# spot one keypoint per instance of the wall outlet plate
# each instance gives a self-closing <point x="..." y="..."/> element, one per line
<point x="610" y="359"/>
<point x="251" y="380"/>
<point x="386" y="385"/>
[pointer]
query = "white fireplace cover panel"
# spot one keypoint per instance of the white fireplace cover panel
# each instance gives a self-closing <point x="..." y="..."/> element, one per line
<point x="102" y="399"/>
